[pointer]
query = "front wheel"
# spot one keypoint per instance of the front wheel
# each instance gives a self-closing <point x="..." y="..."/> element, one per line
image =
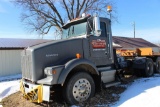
<point x="79" y="88"/>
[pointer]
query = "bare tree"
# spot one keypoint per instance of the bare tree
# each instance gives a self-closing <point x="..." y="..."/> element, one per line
<point x="44" y="15"/>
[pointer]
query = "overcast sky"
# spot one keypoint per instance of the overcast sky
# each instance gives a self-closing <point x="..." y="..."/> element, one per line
<point x="145" y="13"/>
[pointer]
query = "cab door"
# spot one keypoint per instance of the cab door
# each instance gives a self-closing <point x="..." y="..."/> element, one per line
<point x="101" y="47"/>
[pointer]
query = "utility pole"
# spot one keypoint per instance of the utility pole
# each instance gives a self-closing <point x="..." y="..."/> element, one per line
<point x="134" y="29"/>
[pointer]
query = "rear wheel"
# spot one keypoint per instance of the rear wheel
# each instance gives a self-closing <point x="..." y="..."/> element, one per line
<point x="79" y="88"/>
<point x="149" y="67"/>
<point x="158" y="65"/>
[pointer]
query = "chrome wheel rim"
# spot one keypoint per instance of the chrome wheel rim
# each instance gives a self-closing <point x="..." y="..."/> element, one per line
<point x="81" y="90"/>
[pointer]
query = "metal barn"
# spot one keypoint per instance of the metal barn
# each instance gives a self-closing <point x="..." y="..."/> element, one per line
<point x="10" y="54"/>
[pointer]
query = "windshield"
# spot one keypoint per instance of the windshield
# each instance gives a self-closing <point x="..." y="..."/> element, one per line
<point x="75" y="30"/>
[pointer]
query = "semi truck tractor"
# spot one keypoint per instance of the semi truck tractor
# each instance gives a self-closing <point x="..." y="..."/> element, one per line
<point x="81" y="61"/>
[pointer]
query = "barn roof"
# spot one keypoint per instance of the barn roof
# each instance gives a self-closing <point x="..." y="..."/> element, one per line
<point x="19" y="43"/>
<point x="126" y="42"/>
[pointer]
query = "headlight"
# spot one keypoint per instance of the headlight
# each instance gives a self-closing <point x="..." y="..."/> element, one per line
<point x="48" y="71"/>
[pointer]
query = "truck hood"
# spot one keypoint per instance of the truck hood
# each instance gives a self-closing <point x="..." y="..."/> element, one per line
<point x="36" y="58"/>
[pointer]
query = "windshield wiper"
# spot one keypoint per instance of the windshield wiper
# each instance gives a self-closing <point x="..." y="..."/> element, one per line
<point x="68" y="32"/>
<point x="73" y="30"/>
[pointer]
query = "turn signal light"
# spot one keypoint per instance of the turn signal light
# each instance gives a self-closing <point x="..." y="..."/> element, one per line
<point x="54" y="72"/>
<point x="78" y="56"/>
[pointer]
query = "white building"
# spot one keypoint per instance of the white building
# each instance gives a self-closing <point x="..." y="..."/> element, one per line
<point x="10" y="54"/>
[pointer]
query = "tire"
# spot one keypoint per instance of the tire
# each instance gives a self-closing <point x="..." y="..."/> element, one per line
<point x="79" y="88"/>
<point x="149" y="68"/>
<point x="157" y="65"/>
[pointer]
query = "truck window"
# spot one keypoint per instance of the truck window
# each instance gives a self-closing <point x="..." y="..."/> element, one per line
<point x="103" y="28"/>
<point x="75" y="30"/>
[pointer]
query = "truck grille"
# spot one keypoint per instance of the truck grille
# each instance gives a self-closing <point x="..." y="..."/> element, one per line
<point x="26" y="64"/>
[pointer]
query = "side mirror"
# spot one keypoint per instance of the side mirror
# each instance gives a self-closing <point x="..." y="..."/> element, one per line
<point x="96" y="21"/>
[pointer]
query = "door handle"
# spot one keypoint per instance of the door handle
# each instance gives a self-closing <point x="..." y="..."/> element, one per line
<point x="106" y="53"/>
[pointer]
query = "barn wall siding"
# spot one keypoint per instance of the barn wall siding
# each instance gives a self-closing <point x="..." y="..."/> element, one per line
<point x="10" y="62"/>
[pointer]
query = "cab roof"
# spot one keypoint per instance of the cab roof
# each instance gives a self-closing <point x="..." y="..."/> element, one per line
<point x="76" y="21"/>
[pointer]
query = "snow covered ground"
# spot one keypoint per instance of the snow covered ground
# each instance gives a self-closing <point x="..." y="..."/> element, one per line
<point x="9" y="85"/>
<point x="143" y="92"/>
